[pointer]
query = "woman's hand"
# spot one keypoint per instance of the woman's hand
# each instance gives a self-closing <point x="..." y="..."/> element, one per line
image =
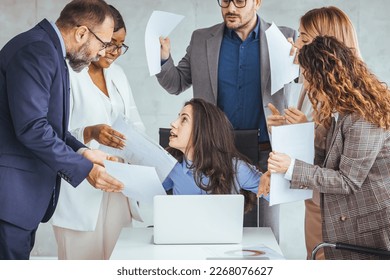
<point x="105" y="135"/>
<point x="276" y="118"/>
<point x="293" y="116"/>
<point x="278" y="162"/>
<point x="264" y="184"/>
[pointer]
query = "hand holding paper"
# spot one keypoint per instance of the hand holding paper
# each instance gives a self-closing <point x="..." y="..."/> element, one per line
<point x="140" y="182"/>
<point x="160" y="24"/>
<point x="278" y="162"/>
<point x="141" y="150"/>
<point x="300" y="145"/>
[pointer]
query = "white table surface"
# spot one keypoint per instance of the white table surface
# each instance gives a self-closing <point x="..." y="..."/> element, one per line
<point x="137" y="244"/>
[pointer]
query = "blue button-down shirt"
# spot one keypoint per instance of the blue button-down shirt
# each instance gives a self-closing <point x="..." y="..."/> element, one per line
<point x="181" y="179"/>
<point x="239" y="83"/>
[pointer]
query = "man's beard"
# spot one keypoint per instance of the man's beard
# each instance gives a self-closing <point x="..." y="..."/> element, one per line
<point x="81" y="59"/>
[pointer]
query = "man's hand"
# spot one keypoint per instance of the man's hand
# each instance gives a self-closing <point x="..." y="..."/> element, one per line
<point x="96" y="156"/>
<point x="100" y="179"/>
<point x="165" y="48"/>
<point x="294" y="116"/>
<point x="264" y="184"/>
<point x="105" y="135"/>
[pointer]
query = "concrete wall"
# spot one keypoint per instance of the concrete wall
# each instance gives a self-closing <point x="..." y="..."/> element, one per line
<point x="158" y="109"/>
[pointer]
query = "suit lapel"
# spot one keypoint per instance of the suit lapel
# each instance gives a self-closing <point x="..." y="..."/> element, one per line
<point x="66" y="96"/>
<point x="213" y="46"/>
<point x="336" y="131"/>
<point x="265" y="73"/>
<point x="64" y="72"/>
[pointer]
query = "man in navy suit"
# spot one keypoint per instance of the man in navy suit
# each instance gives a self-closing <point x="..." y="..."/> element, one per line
<point x="36" y="149"/>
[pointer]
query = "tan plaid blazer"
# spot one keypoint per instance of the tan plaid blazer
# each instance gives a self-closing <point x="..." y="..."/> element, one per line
<point x="354" y="182"/>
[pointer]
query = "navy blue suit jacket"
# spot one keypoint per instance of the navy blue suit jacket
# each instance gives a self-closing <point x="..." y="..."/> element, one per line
<point x="36" y="149"/>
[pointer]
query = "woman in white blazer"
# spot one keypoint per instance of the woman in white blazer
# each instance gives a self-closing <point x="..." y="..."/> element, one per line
<point x="87" y="221"/>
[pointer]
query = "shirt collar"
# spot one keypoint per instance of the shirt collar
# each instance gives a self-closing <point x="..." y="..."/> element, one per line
<point x="60" y="38"/>
<point x="185" y="163"/>
<point x="335" y="115"/>
<point x="254" y="33"/>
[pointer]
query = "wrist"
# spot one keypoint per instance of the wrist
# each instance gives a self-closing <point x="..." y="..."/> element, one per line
<point x="88" y="135"/>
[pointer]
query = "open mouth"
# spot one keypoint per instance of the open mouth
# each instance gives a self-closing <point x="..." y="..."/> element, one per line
<point x="171" y="135"/>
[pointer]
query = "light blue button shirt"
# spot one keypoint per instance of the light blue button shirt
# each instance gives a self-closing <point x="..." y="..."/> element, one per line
<point x="181" y="179"/>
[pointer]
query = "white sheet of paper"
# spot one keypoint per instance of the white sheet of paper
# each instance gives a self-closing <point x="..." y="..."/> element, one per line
<point x="292" y="92"/>
<point x="159" y="24"/>
<point x="283" y="70"/>
<point x="140" y="149"/>
<point x="141" y="182"/>
<point x="297" y="141"/>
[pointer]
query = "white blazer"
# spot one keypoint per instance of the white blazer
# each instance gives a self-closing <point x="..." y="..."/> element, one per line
<point x="78" y="208"/>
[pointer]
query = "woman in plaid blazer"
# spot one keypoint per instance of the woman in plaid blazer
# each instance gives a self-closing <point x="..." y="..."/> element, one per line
<point x="354" y="178"/>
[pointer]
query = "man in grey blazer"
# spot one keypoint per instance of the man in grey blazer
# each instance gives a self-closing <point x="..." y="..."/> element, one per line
<point x="228" y="65"/>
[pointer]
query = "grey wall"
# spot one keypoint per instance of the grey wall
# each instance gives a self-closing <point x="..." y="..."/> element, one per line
<point x="158" y="109"/>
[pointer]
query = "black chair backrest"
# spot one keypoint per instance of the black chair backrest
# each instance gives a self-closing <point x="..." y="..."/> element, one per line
<point x="246" y="142"/>
<point x="164" y="136"/>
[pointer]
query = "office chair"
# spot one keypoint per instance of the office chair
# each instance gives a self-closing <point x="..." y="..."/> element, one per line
<point x="247" y="144"/>
<point x="349" y="247"/>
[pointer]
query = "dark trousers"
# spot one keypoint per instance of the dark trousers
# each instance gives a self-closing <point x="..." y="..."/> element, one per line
<point x="264" y="215"/>
<point x="15" y="243"/>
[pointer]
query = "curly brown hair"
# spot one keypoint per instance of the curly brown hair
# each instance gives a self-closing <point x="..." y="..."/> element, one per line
<point x="339" y="81"/>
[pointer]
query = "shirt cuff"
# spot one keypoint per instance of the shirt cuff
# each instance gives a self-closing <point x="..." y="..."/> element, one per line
<point x="289" y="172"/>
<point x="82" y="150"/>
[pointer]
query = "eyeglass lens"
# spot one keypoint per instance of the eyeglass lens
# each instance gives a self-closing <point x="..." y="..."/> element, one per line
<point x="226" y="3"/>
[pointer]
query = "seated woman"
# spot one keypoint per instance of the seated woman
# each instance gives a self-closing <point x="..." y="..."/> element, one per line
<point x="202" y="141"/>
<point x="353" y="180"/>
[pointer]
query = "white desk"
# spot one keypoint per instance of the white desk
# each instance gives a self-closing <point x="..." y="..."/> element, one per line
<point x="137" y="244"/>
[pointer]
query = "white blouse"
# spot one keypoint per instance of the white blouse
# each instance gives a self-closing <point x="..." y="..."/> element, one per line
<point x="78" y="208"/>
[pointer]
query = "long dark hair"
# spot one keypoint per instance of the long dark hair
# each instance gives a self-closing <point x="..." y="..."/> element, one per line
<point x="341" y="82"/>
<point x="212" y="140"/>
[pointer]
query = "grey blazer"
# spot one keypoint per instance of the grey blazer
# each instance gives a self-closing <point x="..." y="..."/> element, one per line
<point x="354" y="182"/>
<point x="199" y="67"/>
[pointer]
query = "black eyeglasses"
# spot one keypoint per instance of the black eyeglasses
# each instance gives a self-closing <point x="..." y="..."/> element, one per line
<point x="104" y="44"/>
<point x="122" y="49"/>
<point x="237" y="3"/>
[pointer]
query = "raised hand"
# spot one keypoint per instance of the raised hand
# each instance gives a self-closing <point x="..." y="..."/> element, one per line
<point x="165" y="48"/>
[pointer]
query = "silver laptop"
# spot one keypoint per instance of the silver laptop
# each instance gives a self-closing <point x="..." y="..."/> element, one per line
<point x="198" y="219"/>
